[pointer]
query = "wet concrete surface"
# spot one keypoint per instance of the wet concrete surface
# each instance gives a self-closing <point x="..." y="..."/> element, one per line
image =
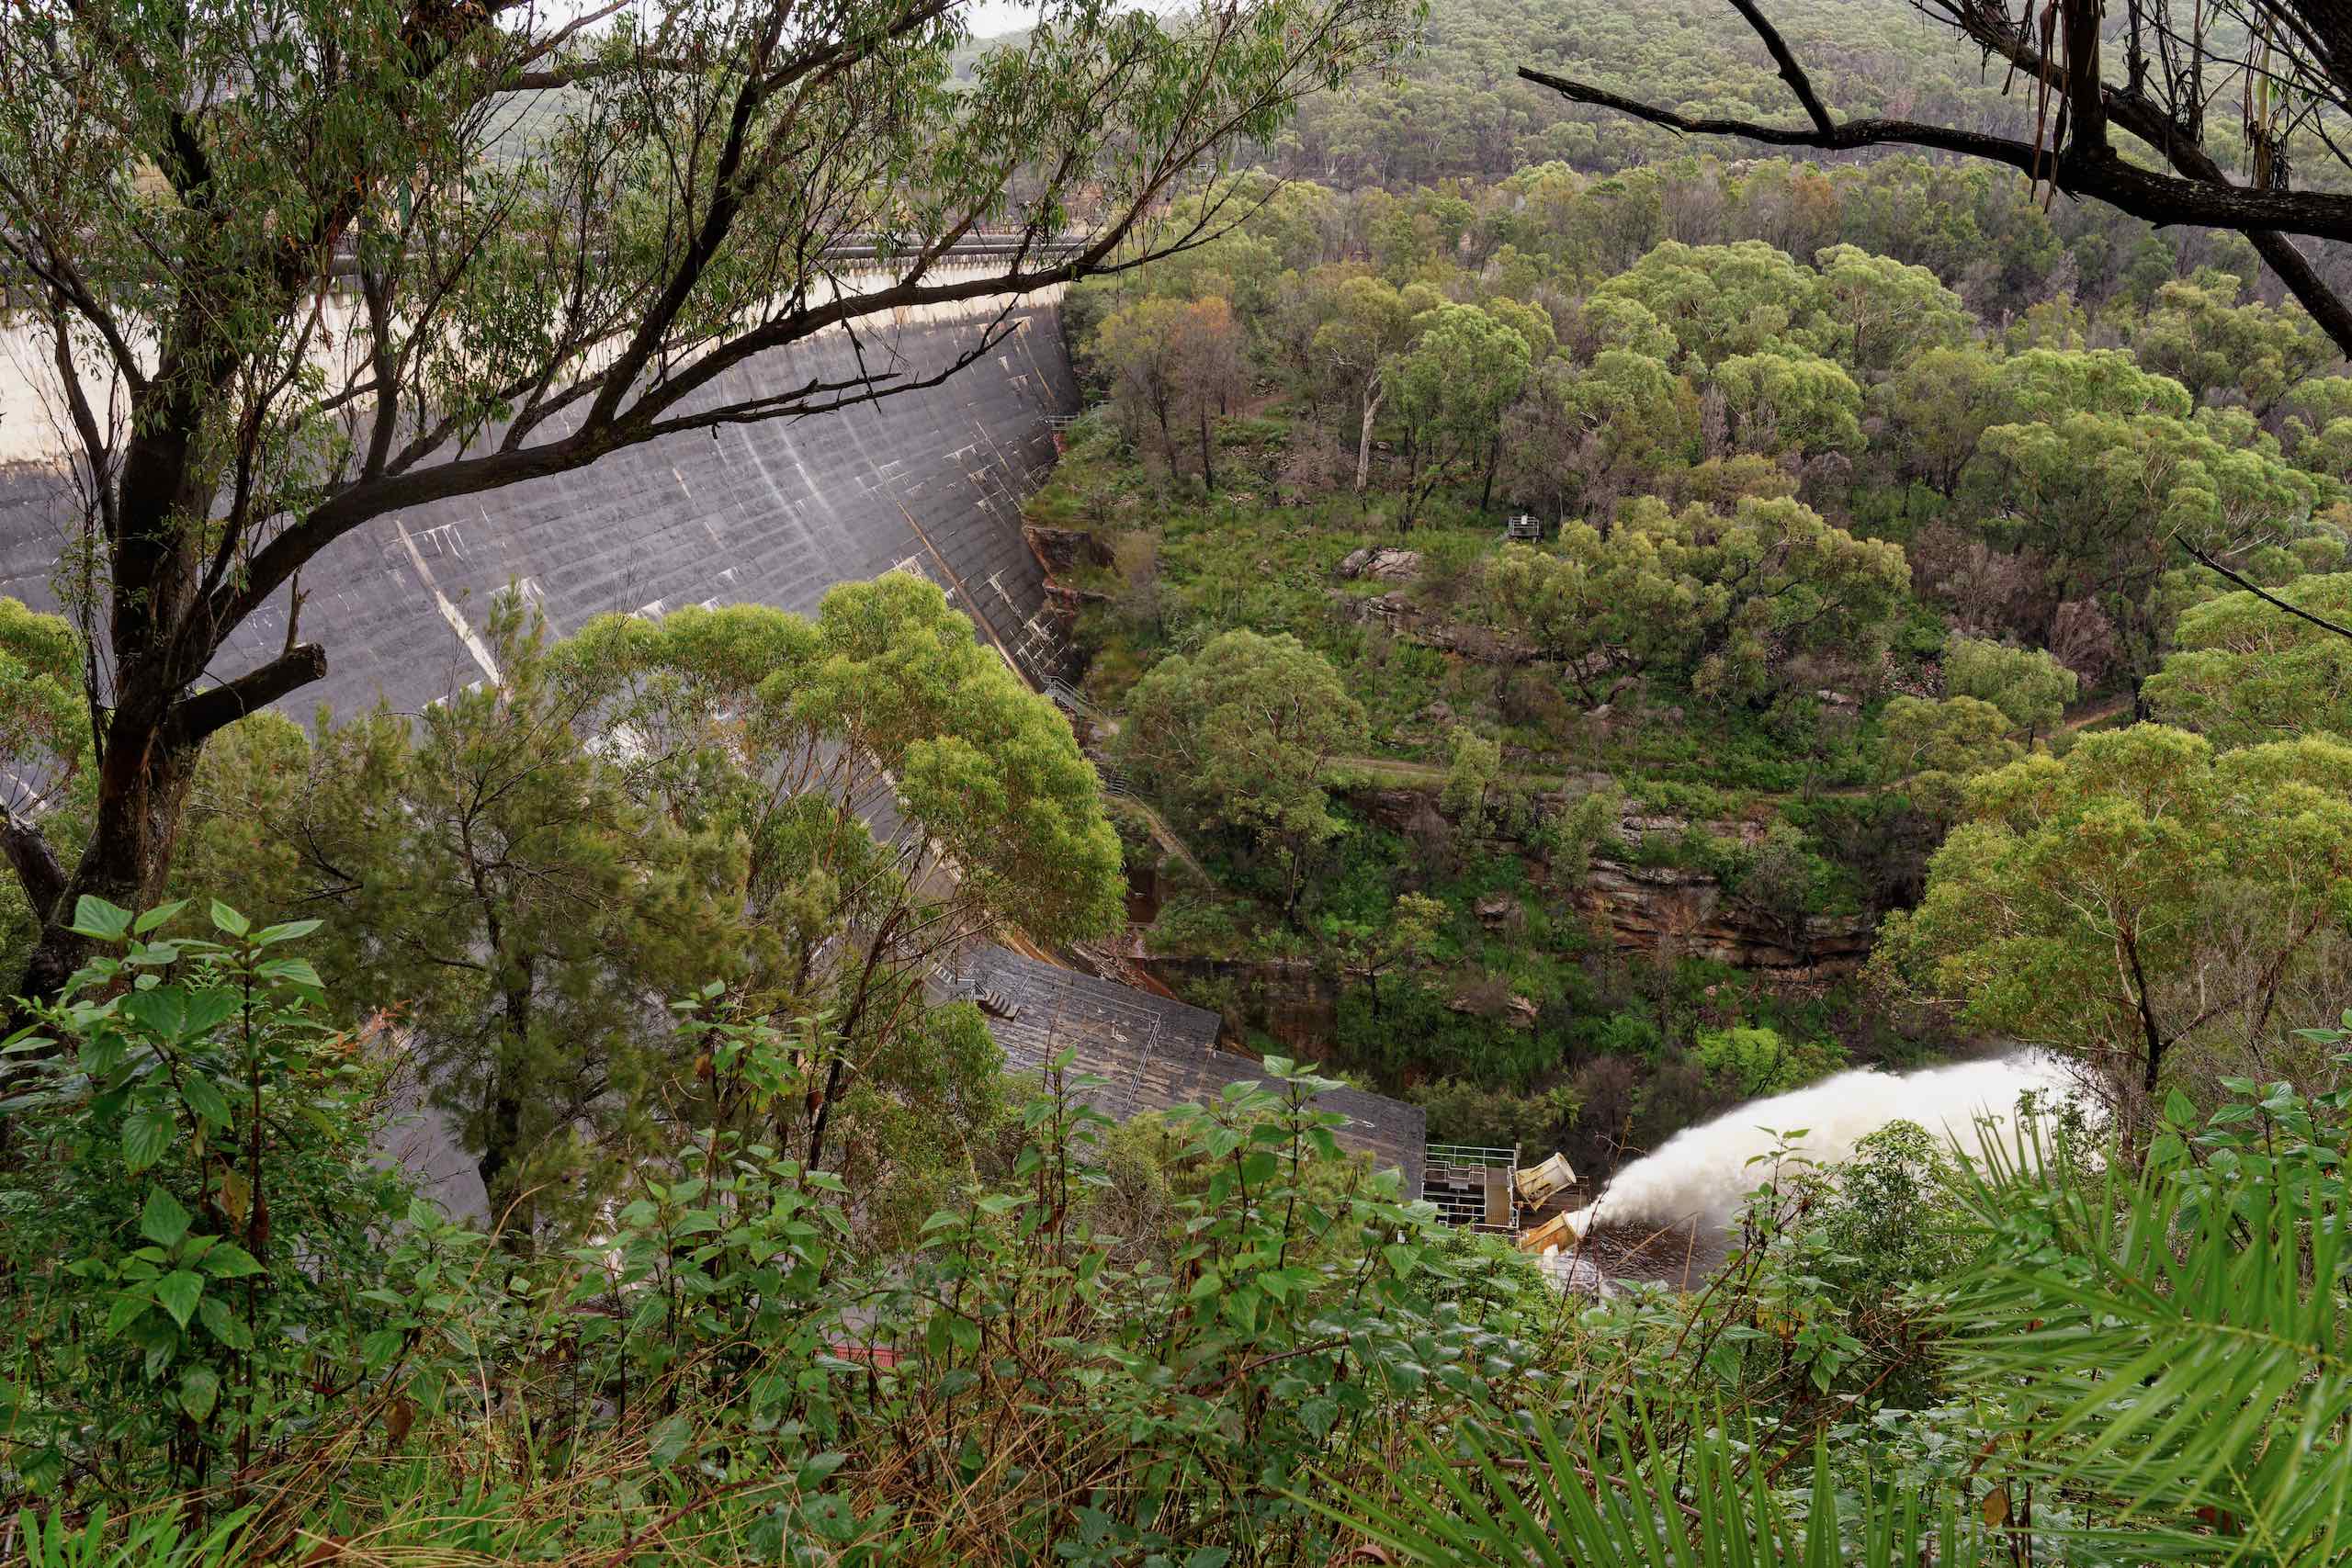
<point x="770" y="514"/>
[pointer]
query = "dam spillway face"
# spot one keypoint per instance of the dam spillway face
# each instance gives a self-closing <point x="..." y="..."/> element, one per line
<point x="930" y="481"/>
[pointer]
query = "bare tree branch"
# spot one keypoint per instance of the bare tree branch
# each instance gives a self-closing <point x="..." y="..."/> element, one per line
<point x="2081" y="163"/>
<point x="2263" y="593"/>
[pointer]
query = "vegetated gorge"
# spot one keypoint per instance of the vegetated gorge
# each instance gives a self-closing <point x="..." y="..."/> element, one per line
<point x="1304" y="783"/>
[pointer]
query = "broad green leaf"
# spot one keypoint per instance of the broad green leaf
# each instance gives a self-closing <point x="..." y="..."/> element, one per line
<point x="145" y="1135"/>
<point x="290" y="972"/>
<point x="177" y="1292"/>
<point x="668" y="1440"/>
<point x="229" y="1261"/>
<point x="162" y="1221"/>
<point x="222" y="1323"/>
<point x="97" y="919"/>
<point x="285" y="930"/>
<point x="200" y="1390"/>
<point x="157" y="916"/>
<point x="228" y="919"/>
<point x="204" y="1099"/>
<point x="125" y="1310"/>
<point x="378" y="1349"/>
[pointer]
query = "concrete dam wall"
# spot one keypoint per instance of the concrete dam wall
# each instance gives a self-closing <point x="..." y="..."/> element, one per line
<point x="774" y="513"/>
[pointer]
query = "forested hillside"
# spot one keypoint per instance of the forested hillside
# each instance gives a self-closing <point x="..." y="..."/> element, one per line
<point x="1824" y="539"/>
<point x="1818" y="688"/>
<point x="1457" y="110"/>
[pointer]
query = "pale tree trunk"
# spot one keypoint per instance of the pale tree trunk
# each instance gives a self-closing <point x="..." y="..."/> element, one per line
<point x="1374" y="392"/>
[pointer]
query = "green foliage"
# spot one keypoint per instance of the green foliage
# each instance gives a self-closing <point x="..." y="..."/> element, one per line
<point x="210" y="1268"/>
<point x="1462" y="1113"/>
<point x="1956" y="736"/>
<point x="2245" y="672"/>
<point x="2143" y="894"/>
<point x="491" y="870"/>
<point x="2031" y="688"/>
<point x="1791" y="402"/>
<point x="148" y="1542"/>
<point x="2103" y="496"/>
<point x="41" y="689"/>
<point x="1269" y="1352"/>
<point x="1450" y="391"/>
<point x="1243" y="735"/>
<point x="533" y="894"/>
<point x="715" y="1363"/>
<point x="2202" y="337"/>
<point x="1938" y="405"/>
<point x="2209" y="1282"/>
<point x="1610" y="1502"/>
<point x="1893" y="315"/>
<point x="1755" y="1062"/>
<point x="1720" y="599"/>
<point x="1725" y="300"/>
<point x="1434" y="1027"/>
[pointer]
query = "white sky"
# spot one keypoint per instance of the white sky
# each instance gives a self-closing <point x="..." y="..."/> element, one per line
<point x="988" y="17"/>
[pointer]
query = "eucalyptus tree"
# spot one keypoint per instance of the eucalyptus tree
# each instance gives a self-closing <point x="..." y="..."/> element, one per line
<point x="898" y="790"/>
<point x="1450" y="391"/>
<point x="2142" y="899"/>
<point x="2241" y="674"/>
<point x="1243" y="736"/>
<point x="303" y="264"/>
<point x="811" y="812"/>
<point x="2029" y="686"/>
<point x="1722" y="600"/>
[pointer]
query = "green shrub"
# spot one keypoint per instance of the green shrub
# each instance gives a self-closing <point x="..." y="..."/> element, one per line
<point x="1760" y="1061"/>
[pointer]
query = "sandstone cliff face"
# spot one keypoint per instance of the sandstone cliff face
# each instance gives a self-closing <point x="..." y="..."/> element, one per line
<point x="1665" y="912"/>
<point x="1064" y="550"/>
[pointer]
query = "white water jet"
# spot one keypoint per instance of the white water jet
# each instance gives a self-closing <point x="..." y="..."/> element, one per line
<point x="1704" y="1171"/>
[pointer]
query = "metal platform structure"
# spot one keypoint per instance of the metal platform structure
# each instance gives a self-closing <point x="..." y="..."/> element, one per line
<point x="1471" y="1185"/>
<point x="1485" y="1189"/>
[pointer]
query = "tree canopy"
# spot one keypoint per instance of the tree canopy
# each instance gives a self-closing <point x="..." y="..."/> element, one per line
<point x="2143" y="894"/>
<point x="812" y="813"/>
<point x="1244" y="733"/>
<point x="301" y="270"/>
<point x="1721" y="600"/>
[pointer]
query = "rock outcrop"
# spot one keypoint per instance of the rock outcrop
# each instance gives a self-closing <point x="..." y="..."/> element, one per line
<point x="1659" y="911"/>
<point x="1388" y="565"/>
<point x="1063" y="550"/>
<point x="1668" y="912"/>
<point x="1398" y="612"/>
